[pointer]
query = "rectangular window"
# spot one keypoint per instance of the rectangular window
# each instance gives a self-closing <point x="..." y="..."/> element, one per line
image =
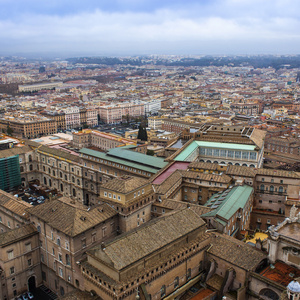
<point x="237" y="154"/>
<point x="83" y="243"/>
<point x="223" y="153"/>
<point x="209" y="152"/>
<point x="29" y="262"/>
<point x="216" y="152"/>
<point x="10" y="254"/>
<point x="12" y="270"/>
<point x="28" y="247"/>
<point x="119" y="198"/>
<point x="103" y="231"/>
<point x="230" y="153"/>
<point x="245" y="155"/>
<point x="60" y="272"/>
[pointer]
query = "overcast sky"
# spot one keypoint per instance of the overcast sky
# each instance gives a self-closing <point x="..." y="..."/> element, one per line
<point x="140" y="27"/>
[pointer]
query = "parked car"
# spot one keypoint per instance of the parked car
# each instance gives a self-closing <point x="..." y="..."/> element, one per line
<point x="30" y="296"/>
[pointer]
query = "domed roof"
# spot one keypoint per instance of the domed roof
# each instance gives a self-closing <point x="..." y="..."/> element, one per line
<point x="294" y="286"/>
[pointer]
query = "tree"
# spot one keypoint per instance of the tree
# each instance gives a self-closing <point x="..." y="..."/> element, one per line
<point x="142" y="134"/>
<point x="9" y="130"/>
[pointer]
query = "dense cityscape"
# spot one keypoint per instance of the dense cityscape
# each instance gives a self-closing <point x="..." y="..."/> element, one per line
<point x="150" y="177"/>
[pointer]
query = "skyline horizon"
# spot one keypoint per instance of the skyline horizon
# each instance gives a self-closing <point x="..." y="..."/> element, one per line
<point x="142" y="27"/>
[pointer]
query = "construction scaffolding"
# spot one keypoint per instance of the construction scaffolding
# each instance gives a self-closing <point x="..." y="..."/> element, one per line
<point x="10" y="176"/>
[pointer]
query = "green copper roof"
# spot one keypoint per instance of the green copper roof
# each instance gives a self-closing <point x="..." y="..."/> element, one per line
<point x="133" y="161"/>
<point x="196" y="144"/>
<point x="229" y="202"/>
<point x="137" y="157"/>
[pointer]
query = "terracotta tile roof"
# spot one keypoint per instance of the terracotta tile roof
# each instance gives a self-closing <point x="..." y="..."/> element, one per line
<point x="204" y="165"/>
<point x="71" y="220"/>
<point x="179" y="205"/>
<point x="235" y="252"/>
<point x="17" y="234"/>
<point x="125" y="184"/>
<point x="277" y="173"/>
<point x="168" y="183"/>
<point x="258" y="137"/>
<point x="14" y="151"/>
<point x="143" y="241"/>
<point x="15" y="205"/>
<point x="207" y="177"/>
<point x="53" y="151"/>
<point x="240" y="171"/>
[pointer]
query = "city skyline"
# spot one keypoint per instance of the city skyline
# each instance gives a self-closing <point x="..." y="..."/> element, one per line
<point x="129" y="27"/>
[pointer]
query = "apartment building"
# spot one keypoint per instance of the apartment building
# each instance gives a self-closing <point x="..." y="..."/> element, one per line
<point x="40" y="86"/>
<point x="113" y="113"/>
<point x="101" y="140"/>
<point x="30" y="126"/>
<point x="72" y="115"/>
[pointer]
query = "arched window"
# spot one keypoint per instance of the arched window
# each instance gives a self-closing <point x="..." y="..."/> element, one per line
<point x="244" y="165"/>
<point x="58" y="241"/>
<point x="262" y="187"/>
<point x="252" y="166"/>
<point x="60" y="174"/>
<point x="61" y="187"/>
<point x="237" y="164"/>
<point x="208" y="161"/>
<point x="53" y="172"/>
<point x="215" y="162"/>
<point x="271" y="188"/>
<point x="44" y="169"/>
<point x="30" y="158"/>
<point x="74" y="192"/>
<point x="78" y="182"/>
<point x="73" y="179"/>
<point x="66" y="177"/>
<point x="268" y="294"/>
<point x="50" y="182"/>
<point x="45" y="181"/>
<point x="280" y="189"/>
<point x="21" y="169"/>
<point x="230" y="163"/>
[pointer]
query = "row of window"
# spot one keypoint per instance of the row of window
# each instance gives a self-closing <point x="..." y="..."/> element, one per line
<point x="228" y="153"/>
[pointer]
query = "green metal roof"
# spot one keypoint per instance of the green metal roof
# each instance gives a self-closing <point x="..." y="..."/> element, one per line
<point x="137" y="157"/>
<point x="122" y="160"/>
<point x="228" y="203"/>
<point x="186" y="152"/>
<point x="196" y="144"/>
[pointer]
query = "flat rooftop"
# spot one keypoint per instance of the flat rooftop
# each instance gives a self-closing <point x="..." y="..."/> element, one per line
<point x="291" y="231"/>
<point x="281" y="273"/>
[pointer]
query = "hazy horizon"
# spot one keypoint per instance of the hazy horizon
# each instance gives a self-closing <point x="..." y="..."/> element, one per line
<point x="69" y="28"/>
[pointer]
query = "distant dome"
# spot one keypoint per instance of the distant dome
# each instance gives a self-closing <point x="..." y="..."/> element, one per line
<point x="294" y="286"/>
